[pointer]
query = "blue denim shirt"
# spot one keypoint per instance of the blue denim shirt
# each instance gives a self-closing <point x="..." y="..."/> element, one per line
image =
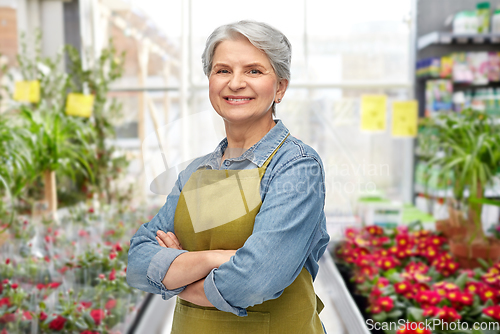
<point x="289" y="230"/>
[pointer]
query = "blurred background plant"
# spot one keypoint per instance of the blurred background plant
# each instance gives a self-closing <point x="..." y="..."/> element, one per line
<point x="64" y="273"/>
<point x="109" y="163"/>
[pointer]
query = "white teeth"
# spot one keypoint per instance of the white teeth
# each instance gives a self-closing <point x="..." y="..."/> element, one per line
<point x="229" y="99"/>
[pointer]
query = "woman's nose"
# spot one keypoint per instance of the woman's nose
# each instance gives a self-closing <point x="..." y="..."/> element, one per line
<point x="237" y="82"/>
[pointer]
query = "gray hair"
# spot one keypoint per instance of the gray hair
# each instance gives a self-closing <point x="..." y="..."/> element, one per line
<point x="264" y="37"/>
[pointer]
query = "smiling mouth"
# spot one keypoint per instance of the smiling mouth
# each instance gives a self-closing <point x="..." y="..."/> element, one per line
<point x="236" y="100"/>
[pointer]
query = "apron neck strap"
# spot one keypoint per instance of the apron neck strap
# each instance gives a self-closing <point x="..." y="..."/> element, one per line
<point x="266" y="163"/>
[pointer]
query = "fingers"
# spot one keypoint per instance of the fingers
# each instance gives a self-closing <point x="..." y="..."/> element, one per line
<point x="168" y="240"/>
<point x="174" y="240"/>
<point x="160" y="242"/>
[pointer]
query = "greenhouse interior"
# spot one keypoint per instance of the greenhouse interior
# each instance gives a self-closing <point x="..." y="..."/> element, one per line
<point x="392" y="111"/>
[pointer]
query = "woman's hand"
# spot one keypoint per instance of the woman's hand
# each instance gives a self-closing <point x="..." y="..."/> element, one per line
<point x="217" y="257"/>
<point x="168" y="240"/>
<point x="190" y="267"/>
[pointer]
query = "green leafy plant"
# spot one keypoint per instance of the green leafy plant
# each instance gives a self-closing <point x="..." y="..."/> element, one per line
<point x="470" y="143"/>
<point x="96" y="80"/>
<point x="58" y="143"/>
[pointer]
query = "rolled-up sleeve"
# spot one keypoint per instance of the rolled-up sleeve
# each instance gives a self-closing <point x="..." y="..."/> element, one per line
<point x="286" y="230"/>
<point x="148" y="262"/>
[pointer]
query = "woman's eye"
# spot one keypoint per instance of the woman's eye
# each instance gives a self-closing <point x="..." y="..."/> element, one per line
<point x="223" y="71"/>
<point x="255" y="72"/>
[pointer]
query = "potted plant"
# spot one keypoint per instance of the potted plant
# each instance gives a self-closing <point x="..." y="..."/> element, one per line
<point x="97" y="79"/>
<point x="470" y="143"/>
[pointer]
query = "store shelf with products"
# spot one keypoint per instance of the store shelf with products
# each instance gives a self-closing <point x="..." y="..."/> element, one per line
<point x="447" y="38"/>
<point x="456" y="70"/>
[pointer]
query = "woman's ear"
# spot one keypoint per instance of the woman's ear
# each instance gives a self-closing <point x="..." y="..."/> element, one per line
<point x="282" y="86"/>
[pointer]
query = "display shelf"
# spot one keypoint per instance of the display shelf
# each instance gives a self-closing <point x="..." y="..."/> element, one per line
<point x="447" y="38"/>
<point x="446" y="193"/>
<point x="339" y="294"/>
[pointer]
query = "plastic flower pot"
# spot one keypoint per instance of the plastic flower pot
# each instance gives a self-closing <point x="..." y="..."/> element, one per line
<point x="467" y="255"/>
<point x="448" y="230"/>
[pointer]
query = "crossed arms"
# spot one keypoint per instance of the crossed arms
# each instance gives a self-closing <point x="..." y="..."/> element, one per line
<point x="190" y="269"/>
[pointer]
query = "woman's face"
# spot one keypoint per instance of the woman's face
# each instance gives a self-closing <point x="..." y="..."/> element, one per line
<point x="242" y="84"/>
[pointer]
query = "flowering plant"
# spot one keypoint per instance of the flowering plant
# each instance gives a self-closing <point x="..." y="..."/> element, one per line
<point x="408" y="275"/>
<point x="70" y="276"/>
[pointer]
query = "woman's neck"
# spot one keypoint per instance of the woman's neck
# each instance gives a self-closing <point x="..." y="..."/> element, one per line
<point x="240" y="137"/>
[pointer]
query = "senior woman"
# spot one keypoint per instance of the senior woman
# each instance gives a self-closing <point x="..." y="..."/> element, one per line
<point x="240" y="235"/>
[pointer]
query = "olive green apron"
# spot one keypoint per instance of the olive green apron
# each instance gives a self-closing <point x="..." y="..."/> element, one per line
<point x="216" y="210"/>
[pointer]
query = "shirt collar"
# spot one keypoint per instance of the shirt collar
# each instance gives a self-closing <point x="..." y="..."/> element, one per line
<point x="257" y="154"/>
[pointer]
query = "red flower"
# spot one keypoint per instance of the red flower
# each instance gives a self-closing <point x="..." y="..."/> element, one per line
<point x="453" y="296"/>
<point x="374" y="230"/>
<point x="375" y="309"/>
<point x="387" y="262"/>
<point x="488" y="293"/>
<point x="8" y="317"/>
<point x="5" y="301"/>
<point x="360" y="251"/>
<point x="376" y="292"/>
<point x="379" y="241"/>
<point x="385" y="303"/>
<point x="110" y="304"/>
<point x="118" y="247"/>
<point x="97" y="315"/>
<point x="27" y="315"/>
<point x="86" y="305"/>
<point x="473" y="287"/>
<point x="101" y="276"/>
<point x="419" y="267"/>
<point x="414" y="327"/>
<point x="436" y="241"/>
<point x="91" y="210"/>
<point x="403" y="241"/>
<point x="420" y="287"/>
<point x="351" y="232"/>
<point x="43" y="316"/>
<point x="7" y="261"/>
<point x="450" y="315"/>
<point x="382" y="282"/>
<point x="112" y="275"/>
<point x="428" y="297"/>
<point x="431" y="311"/>
<point x="41" y="286"/>
<point x="430" y="253"/>
<point x="58" y="323"/>
<point x="14" y="286"/>
<point x="466" y="298"/>
<point x="402" y="287"/>
<point x="63" y="269"/>
<point x="493" y="312"/>
<point x="54" y="285"/>
<point x="112" y="255"/>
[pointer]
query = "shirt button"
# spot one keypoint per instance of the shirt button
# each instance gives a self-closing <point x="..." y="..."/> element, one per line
<point x="227" y="163"/>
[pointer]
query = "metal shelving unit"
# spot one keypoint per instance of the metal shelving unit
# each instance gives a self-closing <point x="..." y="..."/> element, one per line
<point x="447" y="38"/>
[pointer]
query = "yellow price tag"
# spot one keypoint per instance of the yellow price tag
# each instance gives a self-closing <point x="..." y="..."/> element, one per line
<point x="404" y="118"/>
<point x="373" y="112"/>
<point x="27" y="91"/>
<point x="79" y="104"/>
